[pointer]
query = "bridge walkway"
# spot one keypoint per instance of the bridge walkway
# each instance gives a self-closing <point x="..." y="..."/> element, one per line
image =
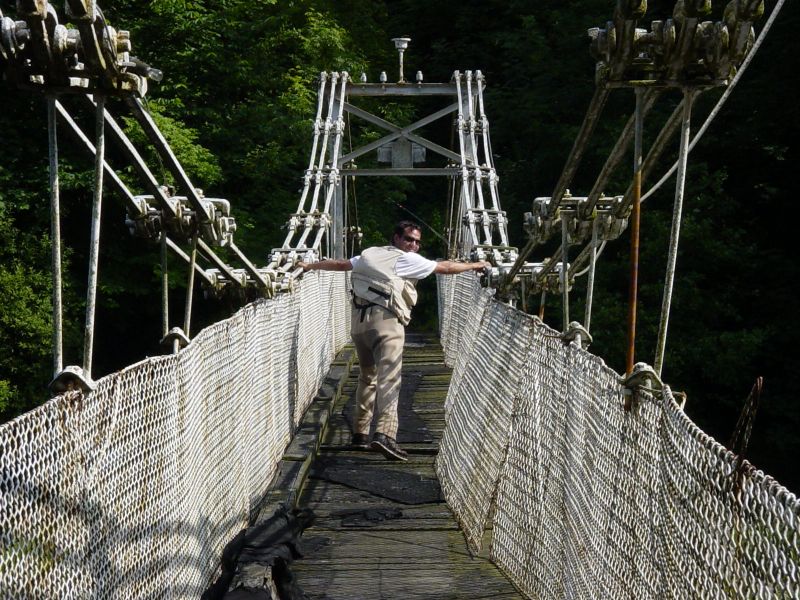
<point x="383" y="530"/>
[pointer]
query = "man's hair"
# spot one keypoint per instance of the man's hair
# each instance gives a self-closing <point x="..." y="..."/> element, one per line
<point x="400" y="228"/>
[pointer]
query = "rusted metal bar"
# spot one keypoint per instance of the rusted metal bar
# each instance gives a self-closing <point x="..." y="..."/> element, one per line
<point x="634" y="224"/>
<point x="654" y="154"/>
<point x="587" y="318"/>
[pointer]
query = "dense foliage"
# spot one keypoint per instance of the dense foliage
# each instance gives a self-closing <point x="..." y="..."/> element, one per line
<point x="237" y="101"/>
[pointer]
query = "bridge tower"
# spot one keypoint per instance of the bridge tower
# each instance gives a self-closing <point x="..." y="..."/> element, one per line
<point x="477" y="224"/>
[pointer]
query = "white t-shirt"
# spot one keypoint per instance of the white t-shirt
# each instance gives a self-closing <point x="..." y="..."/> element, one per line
<point x="409" y="266"/>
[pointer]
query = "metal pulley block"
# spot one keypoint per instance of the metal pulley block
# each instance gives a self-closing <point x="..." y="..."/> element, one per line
<point x="277" y="255"/>
<point x="578" y="230"/>
<point x="222" y="280"/>
<point x="490" y="277"/>
<point x="680" y="50"/>
<point x="306" y="220"/>
<point x="292" y="224"/>
<point x="606" y="218"/>
<point x="147" y="223"/>
<point x="549" y="279"/>
<point x="609" y="225"/>
<point x="186" y="222"/>
<point x="538" y="223"/>
<point x="269" y="275"/>
<point x="479" y="216"/>
<point x="65" y="44"/>
<point x="222" y="226"/>
<point x="13" y="37"/>
<point x="498" y="254"/>
<point x="93" y="55"/>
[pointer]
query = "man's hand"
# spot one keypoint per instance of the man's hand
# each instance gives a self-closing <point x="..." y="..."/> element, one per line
<point x="328" y="264"/>
<point x="449" y="267"/>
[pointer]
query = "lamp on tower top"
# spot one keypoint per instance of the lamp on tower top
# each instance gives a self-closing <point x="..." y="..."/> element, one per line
<point x="401" y="43"/>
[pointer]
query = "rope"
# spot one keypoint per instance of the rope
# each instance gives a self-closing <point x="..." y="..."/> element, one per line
<point x="672" y="257"/>
<point x="726" y="94"/>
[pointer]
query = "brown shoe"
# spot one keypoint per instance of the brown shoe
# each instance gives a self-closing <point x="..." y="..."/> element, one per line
<point x="388" y="447"/>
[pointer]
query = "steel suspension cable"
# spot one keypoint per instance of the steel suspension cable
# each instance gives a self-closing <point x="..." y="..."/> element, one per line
<point x="587" y="318"/>
<point x="94" y="243"/>
<point x="164" y="285"/>
<point x="617" y="153"/>
<point x="672" y="257"/>
<point x="570" y="168"/>
<point x="55" y="236"/>
<point x="187" y="314"/>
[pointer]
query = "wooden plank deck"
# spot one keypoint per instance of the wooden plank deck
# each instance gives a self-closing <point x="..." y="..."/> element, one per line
<point x="383" y="531"/>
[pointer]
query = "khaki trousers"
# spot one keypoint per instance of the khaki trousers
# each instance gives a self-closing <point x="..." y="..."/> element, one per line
<point x="378" y="337"/>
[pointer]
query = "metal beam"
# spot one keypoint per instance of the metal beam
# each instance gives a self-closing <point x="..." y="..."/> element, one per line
<point x="398" y="132"/>
<point x="401" y="89"/>
<point x="408" y="172"/>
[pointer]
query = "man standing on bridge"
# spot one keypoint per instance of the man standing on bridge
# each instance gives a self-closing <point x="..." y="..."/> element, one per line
<point x="384" y="282"/>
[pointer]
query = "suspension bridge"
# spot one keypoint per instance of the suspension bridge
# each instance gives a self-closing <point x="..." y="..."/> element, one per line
<point x="584" y="483"/>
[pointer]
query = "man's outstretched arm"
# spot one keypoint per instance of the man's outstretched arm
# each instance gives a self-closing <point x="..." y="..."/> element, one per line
<point x="449" y="267"/>
<point x="329" y="264"/>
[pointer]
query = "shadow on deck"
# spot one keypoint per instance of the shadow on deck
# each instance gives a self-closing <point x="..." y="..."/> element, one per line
<point x="383" y="530"/>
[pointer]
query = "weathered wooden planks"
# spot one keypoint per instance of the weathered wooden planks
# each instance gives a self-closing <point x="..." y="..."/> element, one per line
<point x="366" y="544"/>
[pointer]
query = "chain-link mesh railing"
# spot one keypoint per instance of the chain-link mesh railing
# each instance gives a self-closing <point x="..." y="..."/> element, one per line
<point x="592" y="501"/>
<point x="132" y="491"/>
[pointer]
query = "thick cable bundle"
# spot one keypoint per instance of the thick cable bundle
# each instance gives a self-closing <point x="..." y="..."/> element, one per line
<point x="132" y="491"/>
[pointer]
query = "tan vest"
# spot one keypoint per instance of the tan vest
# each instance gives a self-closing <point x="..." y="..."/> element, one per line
<point x="374" y="280"/>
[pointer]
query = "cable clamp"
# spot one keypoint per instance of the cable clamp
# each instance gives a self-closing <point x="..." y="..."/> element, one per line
<point x="642" y="375"/>
<point x="176" y="333"/>
<point x="577" y="332"/>
<point x="72" y="378"/>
